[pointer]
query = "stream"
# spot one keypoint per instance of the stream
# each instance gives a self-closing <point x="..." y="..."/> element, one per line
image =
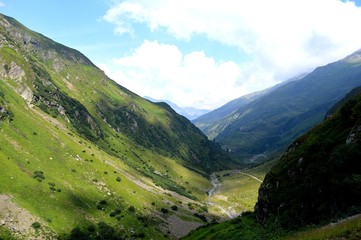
<point x="214" y="181"/>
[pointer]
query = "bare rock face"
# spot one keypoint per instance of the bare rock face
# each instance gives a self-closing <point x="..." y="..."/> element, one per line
<point x="16" y="72"/>
<point x="26" y="93"/>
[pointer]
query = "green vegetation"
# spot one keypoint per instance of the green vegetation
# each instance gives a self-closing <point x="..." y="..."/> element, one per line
<point x="349" y="228"/>
<point x="318" y="179"/>
<point x="315" y="182"/>
<point x="64" y="124"/>
<point x="255" y="131"/>
<point x="246" y="227"/>
<point x="36" y="225"/>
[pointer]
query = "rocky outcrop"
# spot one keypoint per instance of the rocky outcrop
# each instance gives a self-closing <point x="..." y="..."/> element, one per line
<point x="319" y="177"/>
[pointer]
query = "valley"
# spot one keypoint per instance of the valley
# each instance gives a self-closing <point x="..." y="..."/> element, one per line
<point x="82" y="156"/>
<point x="85" y="158"/>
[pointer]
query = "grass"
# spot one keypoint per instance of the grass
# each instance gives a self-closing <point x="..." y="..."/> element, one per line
<point x="38" y="142"/>
<point x="349" y="228"/>
<point x="246" y="227"/>
<point x="237" y="191"/>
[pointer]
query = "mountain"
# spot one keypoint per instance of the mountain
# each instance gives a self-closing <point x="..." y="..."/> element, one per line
<point x="266" y="125"/>
<point x="214" y="122"/>
<point x="188" y="112"/>
<point x="82" y="156"/>
<point x="319" y="177"/>
<point x="317" y="182"/>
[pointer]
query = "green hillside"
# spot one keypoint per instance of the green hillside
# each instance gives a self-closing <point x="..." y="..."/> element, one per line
<point x="83" y="156"/>
<point x="256" y="130"/>
<point x="214" y="122"/>
<point x="318" y="179"/>
<point x="315" y="183"/>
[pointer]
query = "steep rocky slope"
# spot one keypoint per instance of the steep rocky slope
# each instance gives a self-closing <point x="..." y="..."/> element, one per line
<point x="319" y="177"/>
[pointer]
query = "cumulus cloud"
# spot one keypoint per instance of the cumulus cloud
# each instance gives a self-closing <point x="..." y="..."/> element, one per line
<point x="284" y="37"/>
<point x="163" y="72"/>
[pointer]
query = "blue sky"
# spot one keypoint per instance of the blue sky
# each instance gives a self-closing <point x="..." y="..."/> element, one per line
<point x="198" y="53"/>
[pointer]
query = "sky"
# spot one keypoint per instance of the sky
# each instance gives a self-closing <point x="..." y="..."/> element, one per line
<point x="198" y="53"/>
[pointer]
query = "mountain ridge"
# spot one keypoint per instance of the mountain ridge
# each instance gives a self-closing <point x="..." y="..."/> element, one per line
<point x="189" y="112"/>
<point x="268" y="124"/>
<point x="81" y="152"/>
<point x="317" y="179"/>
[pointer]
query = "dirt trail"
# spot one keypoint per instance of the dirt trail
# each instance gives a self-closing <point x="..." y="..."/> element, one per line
<point x="251" y="176"/>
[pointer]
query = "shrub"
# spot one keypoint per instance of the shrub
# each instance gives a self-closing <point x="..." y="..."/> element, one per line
<point x="164" y="210"/>
<point x="131" y="209"/>
<point x="201" y="216"/>
<point x="174" y="208"/>
<point x="117" y="211"/>
<point x="39" y="175"/>
<point x="118" y="179"/>
<point x="102" y="205"/>
<point x="36" y="225"/>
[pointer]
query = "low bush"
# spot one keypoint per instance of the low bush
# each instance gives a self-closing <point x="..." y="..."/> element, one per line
<point x="36" y="225"/>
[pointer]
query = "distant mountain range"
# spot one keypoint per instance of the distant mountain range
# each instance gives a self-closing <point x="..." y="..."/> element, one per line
<point x="188" y="112"/>
<point x="255" y="126"/>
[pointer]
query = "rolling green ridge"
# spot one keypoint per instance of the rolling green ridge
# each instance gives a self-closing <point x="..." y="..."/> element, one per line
<point x="83" y="156"/>
<point x="268" y="124"/>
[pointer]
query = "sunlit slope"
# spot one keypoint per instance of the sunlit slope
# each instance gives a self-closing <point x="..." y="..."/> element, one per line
<point x="78" y="150"/>
<point x="65" y="84"/>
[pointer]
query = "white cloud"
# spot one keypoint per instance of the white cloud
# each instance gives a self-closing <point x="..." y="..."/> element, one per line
<point x="284" y="37"/>
<point x="2" y="4"/>
<point x="163" y="72"/>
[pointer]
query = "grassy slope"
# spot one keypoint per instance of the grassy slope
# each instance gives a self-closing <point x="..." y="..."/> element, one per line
<point x="246" y="228"/>
<point x="237" y="191"/>
<point x="288" y="111"/>
<point x="84" y="162"/>
<point x="318" y="179"/>
<point x="31" y="142"/>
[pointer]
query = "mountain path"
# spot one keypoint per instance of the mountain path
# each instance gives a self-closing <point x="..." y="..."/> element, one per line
<point x="251" y="176"/>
